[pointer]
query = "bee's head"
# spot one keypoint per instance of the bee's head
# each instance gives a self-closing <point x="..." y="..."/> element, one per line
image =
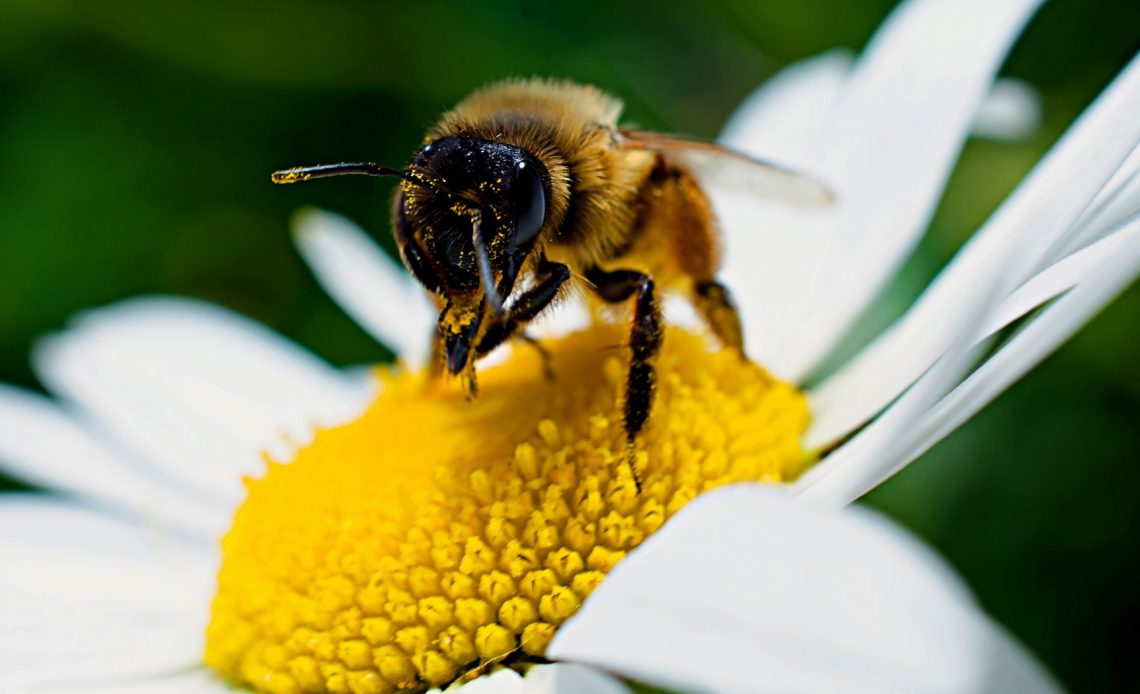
<point x="476" y="208"/>
<point x="468" y="214"/>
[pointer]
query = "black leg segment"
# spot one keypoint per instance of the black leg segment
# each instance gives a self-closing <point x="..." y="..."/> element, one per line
<point x="645" y="337"/>
<point x="529" y="304"/>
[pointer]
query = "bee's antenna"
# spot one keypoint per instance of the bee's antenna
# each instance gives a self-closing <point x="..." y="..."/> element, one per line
<point x="306" y="173"/>
<point x="486" y="275"/>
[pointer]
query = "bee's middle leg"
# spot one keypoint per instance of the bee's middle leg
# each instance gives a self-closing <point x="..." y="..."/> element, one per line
<point x="645" y="338"/>
<point x="543" y="354"/>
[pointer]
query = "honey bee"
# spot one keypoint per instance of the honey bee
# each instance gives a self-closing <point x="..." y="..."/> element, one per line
<point x="529" y="187"/>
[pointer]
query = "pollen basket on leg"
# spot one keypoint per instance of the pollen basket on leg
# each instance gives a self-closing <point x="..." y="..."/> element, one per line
<point x="436" y="537"/>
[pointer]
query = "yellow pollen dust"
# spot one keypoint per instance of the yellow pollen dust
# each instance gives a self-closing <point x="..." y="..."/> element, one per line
<point x="435" y="538"/>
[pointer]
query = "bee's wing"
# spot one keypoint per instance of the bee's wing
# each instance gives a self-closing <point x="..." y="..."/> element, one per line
<point x="728" y="169"/>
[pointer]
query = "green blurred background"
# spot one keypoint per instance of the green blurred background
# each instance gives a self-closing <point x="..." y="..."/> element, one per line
<point x="136" y="139"/>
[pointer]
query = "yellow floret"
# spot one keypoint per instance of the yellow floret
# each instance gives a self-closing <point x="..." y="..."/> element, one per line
<point x="434" y="537"/>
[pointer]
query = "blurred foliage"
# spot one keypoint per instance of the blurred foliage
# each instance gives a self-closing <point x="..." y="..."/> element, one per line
<point x="137" y="138"/>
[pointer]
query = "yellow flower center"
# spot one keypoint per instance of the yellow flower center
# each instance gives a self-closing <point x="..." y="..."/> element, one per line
<point x="435" y="537"/>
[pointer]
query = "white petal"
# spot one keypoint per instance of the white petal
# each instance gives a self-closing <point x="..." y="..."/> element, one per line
<point x="886" y="148"/>
<point x="747" y="590"/>
<point x="563" y="678"/>
<point x="498" y="682"/>
<point x="41" y="444"/>
<point x="52" y="524"/>
<point x="558" y="678"/>
<point x="1009" y="247"/>
<point x="782" y="119"/>
<point x="87" y="598"/>
<point x="195" y="390"/>
<point x="376" y="291"/>
<point x="1011" y="112"/>
<point x="199" y="681"/>
<point x="900" y="127"/>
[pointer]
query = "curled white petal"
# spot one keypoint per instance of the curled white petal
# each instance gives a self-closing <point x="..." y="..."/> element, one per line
<point x="1118" y="200"/>
<point x="1038" y="338"/>
<point x="844" y="474"/>
<point x="853" y="469"/>
<point x="1060" y="277"/>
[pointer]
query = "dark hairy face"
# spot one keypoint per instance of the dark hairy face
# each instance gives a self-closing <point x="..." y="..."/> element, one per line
<point x="506" y="186"/>
<point x="466" y="217"/>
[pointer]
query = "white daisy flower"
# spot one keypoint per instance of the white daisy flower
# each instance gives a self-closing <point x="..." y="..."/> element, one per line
<point x="339" y="574"/>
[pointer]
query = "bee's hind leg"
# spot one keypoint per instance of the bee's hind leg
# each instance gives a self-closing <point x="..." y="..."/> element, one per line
<point x="645" y="338"/>
<point x="714" y="302"/>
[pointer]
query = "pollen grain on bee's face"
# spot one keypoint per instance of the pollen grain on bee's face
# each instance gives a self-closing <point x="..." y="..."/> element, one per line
<point x="436" y="537"/>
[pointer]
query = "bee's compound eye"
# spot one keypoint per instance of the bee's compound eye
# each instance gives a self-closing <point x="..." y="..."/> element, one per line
<point x="530" y="202"/>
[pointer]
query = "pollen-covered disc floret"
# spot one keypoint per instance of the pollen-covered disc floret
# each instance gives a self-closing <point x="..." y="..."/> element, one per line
<point x="435" y="538"/>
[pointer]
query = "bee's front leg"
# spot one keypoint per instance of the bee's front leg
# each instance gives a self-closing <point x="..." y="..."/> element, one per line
<point x="528" y="305"/>
<point x="645" y="338"/>
<point x="436" y="357"/>
<point x="460" y="324"/>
